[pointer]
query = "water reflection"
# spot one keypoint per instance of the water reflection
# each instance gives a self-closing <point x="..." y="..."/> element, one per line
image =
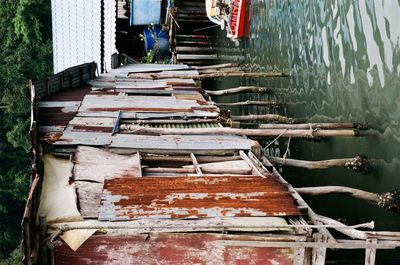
<point x="344" y="59"/>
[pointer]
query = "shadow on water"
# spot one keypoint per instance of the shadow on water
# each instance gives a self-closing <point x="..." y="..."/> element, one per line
<point x="344" y="62"/>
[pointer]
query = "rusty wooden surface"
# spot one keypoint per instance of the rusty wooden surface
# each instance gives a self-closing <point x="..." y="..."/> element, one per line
<point x="171" y="197"/>
<point x="169" y="249"/>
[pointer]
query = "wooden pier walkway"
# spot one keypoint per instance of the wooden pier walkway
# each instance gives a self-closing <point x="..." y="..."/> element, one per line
<point x="194" y="39"/>
<point x="111" y="196"/>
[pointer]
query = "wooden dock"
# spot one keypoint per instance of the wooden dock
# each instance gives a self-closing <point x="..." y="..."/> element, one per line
<point x="194" y="39"/>
<point x="112" y="196"/>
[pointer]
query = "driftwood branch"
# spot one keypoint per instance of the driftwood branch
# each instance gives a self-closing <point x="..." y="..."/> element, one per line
<point x="388" y="200"/>
<point x="358" y="163"/>
<point x="264" y="117"/>
<point x="272" y="104"/>
<point x="342" y="228"/>
<point x="241" y="89"/>
<point x="356" y="193"/>
<point x="344" y="125"/>
<point x="233" y="131"/>
<point x="242" y="74"/>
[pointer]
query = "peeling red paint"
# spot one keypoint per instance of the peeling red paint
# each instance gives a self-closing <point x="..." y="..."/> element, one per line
<point x="54" y="116"/>
<point x="169" y="249"/>
<point x="195" y="196"/>
<point x="73" y="94"/>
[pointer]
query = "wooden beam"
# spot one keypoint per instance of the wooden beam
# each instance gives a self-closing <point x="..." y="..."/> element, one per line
<point x="256" y="171"/>
<point x="170" y="121"/>
<point x="241" y="89"/>
<point x="339" y="244"/>
<point x="312" y="126"/>
<point x="201" y="159"/>
<point x="196" y="165"/>
<point x="192" y="170"/>
<point x="168" y="170"/>
<point x="136" y="129"/>
<point x="263" y="117"/>
<point x="216" y="74"/>
<point x="271" y="104"/>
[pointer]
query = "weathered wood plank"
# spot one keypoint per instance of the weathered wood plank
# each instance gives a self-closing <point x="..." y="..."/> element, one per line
<point x="91" y="167"/>
<point x="89" y="198"/>
<point x="319" y="253"/>
<point x="234" y="167"/>
<point x="183" y="142"/>
<point x="253" y="224"/>
<point x="84" y="138"/>
<point x="93" y="121"/>
<point x="370" y="253"/>
<point x="95" y="165"/>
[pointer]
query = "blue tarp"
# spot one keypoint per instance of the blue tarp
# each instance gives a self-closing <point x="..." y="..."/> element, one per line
<point x="145" y="12"/>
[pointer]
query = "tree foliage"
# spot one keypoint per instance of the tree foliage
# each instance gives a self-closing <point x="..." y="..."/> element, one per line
<point x="26" y="53"/>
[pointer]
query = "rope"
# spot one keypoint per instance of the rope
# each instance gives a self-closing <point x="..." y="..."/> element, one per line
<point x="287" y="149"/>
<point x="273" y="141"/>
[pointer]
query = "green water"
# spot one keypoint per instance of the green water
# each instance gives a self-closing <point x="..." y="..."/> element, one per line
<point x="344" y="62"/>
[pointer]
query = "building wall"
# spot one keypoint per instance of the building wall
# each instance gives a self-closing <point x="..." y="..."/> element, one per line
<point x="77" y="34"/>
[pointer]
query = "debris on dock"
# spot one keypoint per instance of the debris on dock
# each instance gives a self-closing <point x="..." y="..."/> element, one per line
<point x="119" y="161"/>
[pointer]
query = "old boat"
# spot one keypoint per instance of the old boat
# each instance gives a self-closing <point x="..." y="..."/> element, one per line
<point x="232" y="16"/>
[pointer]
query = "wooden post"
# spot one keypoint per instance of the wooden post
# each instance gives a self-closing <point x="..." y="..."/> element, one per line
<point x="126" y="128"/>
<point x="80" y="74"/>
<point x="264" y="117"/>
<point x="177" y="74"/>
<point x="370" y="253"/>
<point x="242" y="74"/>
<point x="256" y="149"/>
<point x="299" y="255"/>
<point x="42" y="235"/>
<point x="271" y="104"/>
<point x="91" y="71"/>
<point x="48" y="85"/>
<point x="356" y="163"/>
<point x="27" y="241"/>
<point x="255" y="170"/>
<point x="241" y="89"/>
<point x="52" y="257"/>
<point x="70" y="78"/>
<point x="357" y="193"/>
<point x="61" y="82"/>
<point x="312" y="126"/>
<point x="390" y="201"/>
<point x="319" y="253"/>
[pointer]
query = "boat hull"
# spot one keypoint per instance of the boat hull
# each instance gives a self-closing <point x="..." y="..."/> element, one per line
<point x="238" y="21"/>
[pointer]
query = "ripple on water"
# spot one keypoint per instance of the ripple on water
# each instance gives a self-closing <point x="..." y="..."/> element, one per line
<point x="344" y="61"/>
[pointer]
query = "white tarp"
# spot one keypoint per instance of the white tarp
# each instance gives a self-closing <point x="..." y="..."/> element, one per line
<point x="58" y="198"/>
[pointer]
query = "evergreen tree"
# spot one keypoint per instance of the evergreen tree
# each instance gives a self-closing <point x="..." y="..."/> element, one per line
<point x="26" y="53"/>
